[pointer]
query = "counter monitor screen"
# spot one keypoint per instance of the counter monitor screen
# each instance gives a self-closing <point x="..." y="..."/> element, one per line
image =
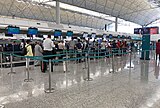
<point x="123" y="37"/>
<point x="110" y="36"/>
<point x="13" y="30"/>
<point x="85" y="35"/>
<point x="104" y="36"/>
<point x="57" y="33"/>
<point x="118" y="36"/>
<point x="32" y="31"/>
<point x="69" y="33"/>
<point x="93" y="35"/>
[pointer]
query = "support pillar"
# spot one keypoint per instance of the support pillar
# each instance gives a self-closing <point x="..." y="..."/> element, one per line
<point x="57" y="12"/>
<point x="116" y="24"/>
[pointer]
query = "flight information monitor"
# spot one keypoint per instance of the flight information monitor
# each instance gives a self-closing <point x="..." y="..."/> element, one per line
<point x="32" y="31"/>
<point x="69" y="33"/>
<point x="13" y="30"/>
<point x="154" y="30"/>
<point x="147" y="30"/>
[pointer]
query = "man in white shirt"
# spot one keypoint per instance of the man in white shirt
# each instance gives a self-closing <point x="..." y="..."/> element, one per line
<point x="48" y="44"/>
<point x="48" y="49"/>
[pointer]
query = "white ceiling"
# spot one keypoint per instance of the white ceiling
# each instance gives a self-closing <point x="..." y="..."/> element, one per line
<point x="47" y="13"/>
<point x="142" y="12"/>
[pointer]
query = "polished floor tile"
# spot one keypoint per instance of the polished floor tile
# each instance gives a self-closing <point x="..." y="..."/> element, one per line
<point x="138" y="87"/>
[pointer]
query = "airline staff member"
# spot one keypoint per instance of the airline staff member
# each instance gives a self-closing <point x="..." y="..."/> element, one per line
<point x="48" y="48"/>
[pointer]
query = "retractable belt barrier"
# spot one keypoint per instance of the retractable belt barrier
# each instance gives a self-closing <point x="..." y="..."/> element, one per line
<point x="90" y="54"/>
<point x="85" y="54"/>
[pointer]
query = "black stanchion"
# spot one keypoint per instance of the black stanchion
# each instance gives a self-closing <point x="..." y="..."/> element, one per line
<point x="50" y="89"/>
<point x="27" y="69"/>
<point x="130" y="60"/>
<point x="11" y="63"/>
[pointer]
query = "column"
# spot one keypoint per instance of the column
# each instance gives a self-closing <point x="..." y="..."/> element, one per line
<point x="57" y="12"/>
<point x="116" y="24"/>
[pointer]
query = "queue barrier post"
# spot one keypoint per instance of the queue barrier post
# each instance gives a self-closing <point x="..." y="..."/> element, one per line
<point x="1" y="60"/>
<point x="122" y="52"/>
<point x="130" y="60"/>
<point x="85" y="63"/>
<point x="27" y="69"/>
<point x="144" y="55"/>
<point x="50" y="89"/>
<point x="105" y="53"/>
<point x="65" y="65"/>
<point x="94" y="52"/>
<point x="11" y="64"/>
<point x="112" y="63"/>
<point x="88" y="70"/>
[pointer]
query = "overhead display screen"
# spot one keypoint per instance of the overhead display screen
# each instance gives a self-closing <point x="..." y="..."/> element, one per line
<point x="57" y="33"/>
<point x="69" y="33"/>
<point x="138" y="31"/>
<point x="147" y="30"/>
<point x="154" y="30"/>
<point x="13" y="30"/>
<point x="32" y="31"/>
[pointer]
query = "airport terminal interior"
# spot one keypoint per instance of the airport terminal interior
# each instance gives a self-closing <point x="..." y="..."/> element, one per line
<point x="79" y="54"/>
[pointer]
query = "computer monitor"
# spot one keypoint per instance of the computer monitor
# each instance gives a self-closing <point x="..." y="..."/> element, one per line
<point x="85" y="34"/>
<point x="13" y="30"/>
<point x="110" y="36"/>
<point x="93" y="35"/>
<point x="118" y="36"/>
<point x="32" y="31"/>
<point x="69" y="33"/>
<point x="57" y="33"/>
<point x="104" y="36"/>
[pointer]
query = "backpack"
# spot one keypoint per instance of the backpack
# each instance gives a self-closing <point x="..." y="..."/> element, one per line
<point x="24" y="50"/>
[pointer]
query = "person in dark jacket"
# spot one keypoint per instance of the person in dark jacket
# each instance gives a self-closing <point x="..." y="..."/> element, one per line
<point x="79" y="50"/>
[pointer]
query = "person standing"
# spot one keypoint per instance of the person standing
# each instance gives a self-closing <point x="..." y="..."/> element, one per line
<point x="158" y="49"/>
<point x="48" y="50"/>
<point x="38" y="51"/>
<point x="61" y="47"/>
<point x="29" y="52"/>
<point x="78" y="47"/>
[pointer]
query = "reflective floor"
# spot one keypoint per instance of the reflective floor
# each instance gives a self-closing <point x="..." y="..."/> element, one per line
<point x="138" y="87"/>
